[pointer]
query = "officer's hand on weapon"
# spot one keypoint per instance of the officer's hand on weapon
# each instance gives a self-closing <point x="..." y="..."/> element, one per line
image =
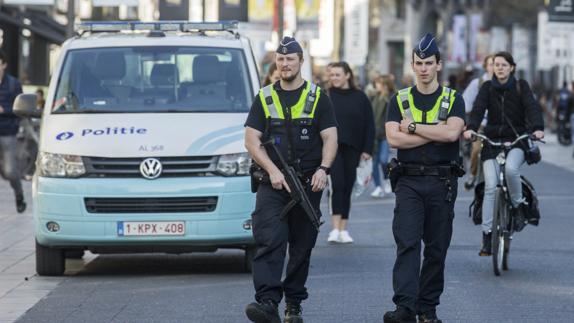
<point x="365" y="156"/>
<point x="278" y="181"/>
<point x="319" y="180"/>
<point x="404" y="126"/>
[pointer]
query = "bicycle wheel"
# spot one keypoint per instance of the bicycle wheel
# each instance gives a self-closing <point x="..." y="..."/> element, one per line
<point x="506" y="251"/>
<point x="498" y="231"/>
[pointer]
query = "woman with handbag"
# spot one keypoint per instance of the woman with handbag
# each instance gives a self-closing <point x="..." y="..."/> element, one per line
<point x="512" y="111"/>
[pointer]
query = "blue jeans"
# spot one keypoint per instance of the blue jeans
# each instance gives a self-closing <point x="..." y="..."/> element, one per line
<point x="10" y="167"/>
<point x="380" y="161"/>
<point x="514" y="160"/>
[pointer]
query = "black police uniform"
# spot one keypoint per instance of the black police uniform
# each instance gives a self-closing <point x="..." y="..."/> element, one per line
<point x="424" y="211"/>
<point x="272" y="234"/>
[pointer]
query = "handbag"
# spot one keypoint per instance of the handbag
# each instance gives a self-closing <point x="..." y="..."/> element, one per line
<point x="532" y="154"/>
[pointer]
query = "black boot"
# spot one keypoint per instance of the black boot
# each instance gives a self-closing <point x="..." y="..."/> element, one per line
<point x="400" y="315"/>
<point x="293" y="313"/>
<point x="429" y="317"/>
<point x="263" y="312"/>
<point x="519" y="213"/>
<point x="20" y="204"/>
<point x="486" y="249"/>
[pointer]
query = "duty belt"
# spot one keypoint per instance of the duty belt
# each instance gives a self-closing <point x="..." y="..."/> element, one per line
<point x="422" y="170"/>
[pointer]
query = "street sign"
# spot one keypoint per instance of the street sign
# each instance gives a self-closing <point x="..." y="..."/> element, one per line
<point x="561" y="11"/>
<point x="555" y="43"/>
<point x="356" y="32"/>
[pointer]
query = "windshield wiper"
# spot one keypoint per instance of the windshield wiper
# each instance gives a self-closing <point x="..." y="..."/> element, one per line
<point x="101" y="111"/>
<point x="80" y="111"/>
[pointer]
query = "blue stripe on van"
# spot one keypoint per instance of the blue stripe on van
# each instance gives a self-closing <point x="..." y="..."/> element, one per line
<point x="201" y="143"/>
<point x="213" y="146"/>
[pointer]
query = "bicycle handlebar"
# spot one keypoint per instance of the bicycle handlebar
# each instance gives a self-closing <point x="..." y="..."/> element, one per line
<point x="504" y="144"/>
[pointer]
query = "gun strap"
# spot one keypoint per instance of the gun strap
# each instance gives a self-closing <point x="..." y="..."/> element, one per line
<point x="287" y="208"/>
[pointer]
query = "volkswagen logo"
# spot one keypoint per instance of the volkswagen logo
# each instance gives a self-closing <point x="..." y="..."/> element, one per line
<point x="151" y="168"/>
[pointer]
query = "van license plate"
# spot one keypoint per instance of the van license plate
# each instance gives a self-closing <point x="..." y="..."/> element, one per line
<point x="172" y="228"/>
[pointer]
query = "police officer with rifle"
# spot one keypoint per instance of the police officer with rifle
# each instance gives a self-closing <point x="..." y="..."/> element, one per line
<point x="292" y="136"/>
<point x="424" y="123"/>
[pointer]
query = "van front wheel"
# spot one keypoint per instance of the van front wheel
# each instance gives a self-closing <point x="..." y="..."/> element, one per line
<point x="49" y="261"/>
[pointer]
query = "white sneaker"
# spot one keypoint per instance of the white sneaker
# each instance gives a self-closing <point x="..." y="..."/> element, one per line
<point x="378" y="192"/>
<point x="333" y="236"/>
<point x="344" y="237"/>
<point x="388" y="189"/>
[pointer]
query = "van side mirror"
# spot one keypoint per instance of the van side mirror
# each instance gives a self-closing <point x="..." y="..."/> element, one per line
<point x="25" y="106"/>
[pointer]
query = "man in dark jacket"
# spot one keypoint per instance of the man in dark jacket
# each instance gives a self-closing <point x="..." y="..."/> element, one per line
<point x="10" y="87"/>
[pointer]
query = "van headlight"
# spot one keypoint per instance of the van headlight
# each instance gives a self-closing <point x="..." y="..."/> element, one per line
<point x="58" y="165"/>
<point x="234" y="164"/>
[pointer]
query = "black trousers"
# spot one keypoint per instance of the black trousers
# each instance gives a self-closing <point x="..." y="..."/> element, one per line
<point x="272" y="236"/>
<point x="421" y="213"/>
<point x="343" y="176"/>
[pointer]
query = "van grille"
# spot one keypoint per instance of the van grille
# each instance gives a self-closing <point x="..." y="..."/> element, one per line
<point x="130" y="167"/>
<point x="151" y="205"/>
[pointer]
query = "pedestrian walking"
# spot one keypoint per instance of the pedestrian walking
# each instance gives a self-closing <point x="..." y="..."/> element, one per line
<point x="564" y="129"/>
<point x="512" y="111"/>
<point x="424" y="123"/>
<point x="10" y="87"/>
<point x="385" y="89"/>
<point x="469" y="96"/>
<point x="298" y="118"/>
<point x="356" y="134"/>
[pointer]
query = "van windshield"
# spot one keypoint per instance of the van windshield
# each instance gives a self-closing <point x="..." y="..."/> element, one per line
<point x="153" y="79"/>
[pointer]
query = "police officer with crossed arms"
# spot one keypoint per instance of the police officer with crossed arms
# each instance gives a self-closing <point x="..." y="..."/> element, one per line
<point x="298" y="118"/>
<point x="424" y="123"/>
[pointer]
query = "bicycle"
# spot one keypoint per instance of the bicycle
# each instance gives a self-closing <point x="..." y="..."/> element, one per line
<point x="503" y="220"/>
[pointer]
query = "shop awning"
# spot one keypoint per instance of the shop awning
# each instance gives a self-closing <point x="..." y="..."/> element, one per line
<point x="40" y="24"/>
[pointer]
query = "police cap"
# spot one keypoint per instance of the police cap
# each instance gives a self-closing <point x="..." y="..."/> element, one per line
<point x="426" y="47"/>
<point x="289" y="45"/>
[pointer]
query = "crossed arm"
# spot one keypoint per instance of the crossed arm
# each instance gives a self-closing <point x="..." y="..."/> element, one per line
<point x="398" y="135"/>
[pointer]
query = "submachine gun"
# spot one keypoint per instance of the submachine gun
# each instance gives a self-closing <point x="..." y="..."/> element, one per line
<point x="298" y="194"/>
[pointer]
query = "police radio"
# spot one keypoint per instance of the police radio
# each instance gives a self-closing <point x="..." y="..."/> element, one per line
<point x="444" y="105"/>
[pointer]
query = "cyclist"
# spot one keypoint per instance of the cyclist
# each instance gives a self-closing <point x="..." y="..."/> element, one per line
<point x="512" y="111"/>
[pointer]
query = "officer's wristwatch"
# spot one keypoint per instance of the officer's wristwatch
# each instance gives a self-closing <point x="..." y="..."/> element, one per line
<point x="326" y="169"/>
<point x="412" y="128"/>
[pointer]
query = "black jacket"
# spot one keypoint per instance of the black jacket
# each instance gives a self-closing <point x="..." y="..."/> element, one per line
<point x="9" y="89"/>
<point x="355" y="118"/>
<point x="511" y="103"/>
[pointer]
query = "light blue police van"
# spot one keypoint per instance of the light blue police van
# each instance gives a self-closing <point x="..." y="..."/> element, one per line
<point x="141" y="143"/>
